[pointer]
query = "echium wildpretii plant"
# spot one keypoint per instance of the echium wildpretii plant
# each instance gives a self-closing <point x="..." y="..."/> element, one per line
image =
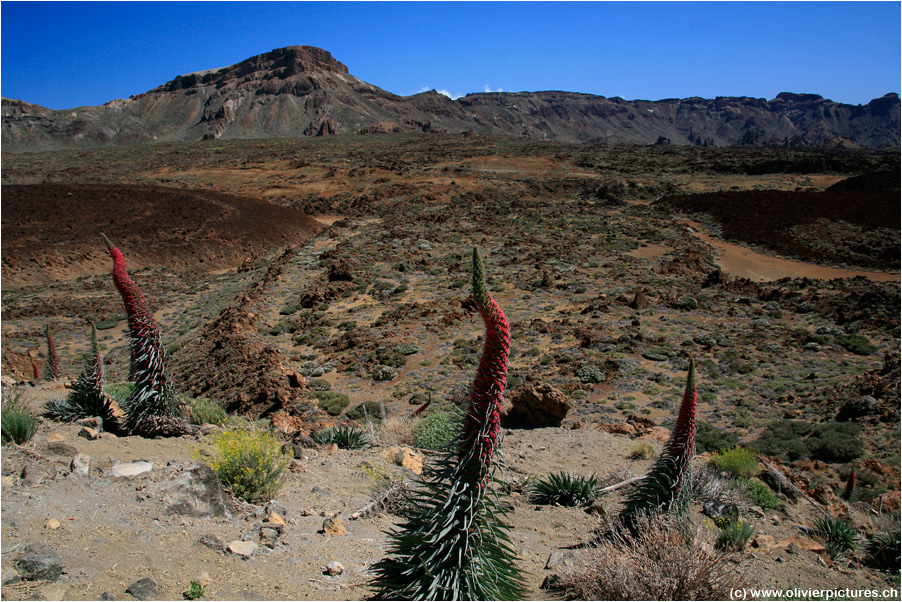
<point x="152" y="409"/>
<point x="87" y="398"/>
<point x="666" y="487"/>
<point x="454" y="543"/>
<point x="52" y="370"/>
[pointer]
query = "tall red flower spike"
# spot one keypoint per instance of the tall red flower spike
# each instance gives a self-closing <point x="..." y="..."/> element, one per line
<point x="482" y="421"/>
<point x="53" y="362"/>
<point x="153" y="407"/>
<point x="667" y="484"/>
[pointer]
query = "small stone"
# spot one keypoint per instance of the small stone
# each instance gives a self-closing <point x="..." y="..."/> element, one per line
<point x="143" y="589"/>
<point x="245" y="549"/>
<point x="330" y="448"/>
<point x="321" y="491"/>
<point x="274" y="506"/>
<point x="107" y="596"/>
<point x="211" y="541"/>
<point x="274" y="521"/>
<point x="89" y="433"/>
<point x="763" y="541"/>
<point x="7" y="481"/>
<point x="558" y="558"/>
<point x="81" y="465"/>
<point x="52" y="524"/>
<point x="268" y="536"/>
<point x="55" y="592"/>
<point x="39" y="563"/>
<point x="334" y="568"/>
<point x="297" y="467"/>
<point x="333" y="526"/>
<point x="59" y="447"/>
<point x="8" y="576"/>
<point x="203" y="578"/>
<point x="130" y="469"/>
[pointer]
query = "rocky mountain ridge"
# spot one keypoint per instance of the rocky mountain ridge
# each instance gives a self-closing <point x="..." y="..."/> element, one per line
<point x="304" y="91"/>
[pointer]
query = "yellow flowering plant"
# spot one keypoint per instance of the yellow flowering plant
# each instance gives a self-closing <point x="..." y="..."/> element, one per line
<point x="249" y="463"/>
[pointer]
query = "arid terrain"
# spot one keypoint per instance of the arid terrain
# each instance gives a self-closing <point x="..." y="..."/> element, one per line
<point x="275" y="264"/>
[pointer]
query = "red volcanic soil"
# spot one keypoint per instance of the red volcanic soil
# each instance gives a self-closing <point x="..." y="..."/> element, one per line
<point x="52" y="231"/>
<point x="855" y="222"/>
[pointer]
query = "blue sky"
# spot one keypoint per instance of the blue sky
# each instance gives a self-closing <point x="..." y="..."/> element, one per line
<point x="69" y="54"/>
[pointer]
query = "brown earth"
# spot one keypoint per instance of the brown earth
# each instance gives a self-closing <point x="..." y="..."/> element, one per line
<point x="52" y="231"/>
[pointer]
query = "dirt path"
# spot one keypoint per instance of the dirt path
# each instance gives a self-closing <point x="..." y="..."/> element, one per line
<point x="742" y="262"/>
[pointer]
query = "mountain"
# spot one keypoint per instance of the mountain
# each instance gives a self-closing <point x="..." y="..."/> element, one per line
<point x="304" y="91"/>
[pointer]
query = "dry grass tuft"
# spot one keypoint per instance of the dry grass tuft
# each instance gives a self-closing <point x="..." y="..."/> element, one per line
<point x="709" y="486"/>
<point x="398" y="430"/>
<point x="664" y="560"/>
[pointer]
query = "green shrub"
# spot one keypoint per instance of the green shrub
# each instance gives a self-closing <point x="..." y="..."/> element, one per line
<point x="200" y="410"/>
<point x="709" y="438"/>
<point x="106" y="324"/>
<point x="319" y="384"/>
<point x="119" y="391"/>
<point x="784" y="439"/>
<point x="564" y="490"/>
<point x="250" y="463"/>
<point x="734" y="535"/>
<point x="835" y="442"/>
<point x="373" y="411"/>
<point x="437" y="431"/>
<point x="759" y="493"/>
<point x="736" y="461"/>
<point x="839" y="536"/>
<point x="345" y="437"/>
<point x="331" y="402"/>
<point x="856" y="343"/>
<point x="18" y="423"/>
<point x="884" y="549"/>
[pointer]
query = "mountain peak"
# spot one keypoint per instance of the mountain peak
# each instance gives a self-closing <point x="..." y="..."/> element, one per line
<point x="280" y="63"/>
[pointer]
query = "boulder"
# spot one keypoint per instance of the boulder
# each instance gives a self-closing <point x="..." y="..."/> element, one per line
<point x="143" y="589"/>
<point x="130" y="469"/>
<point x="195" y="491"/>
<point x="39" y="563"/>
<point x="538" y="406"/>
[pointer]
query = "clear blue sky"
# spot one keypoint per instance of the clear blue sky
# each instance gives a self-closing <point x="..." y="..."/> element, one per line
<point x="67" y="54"/>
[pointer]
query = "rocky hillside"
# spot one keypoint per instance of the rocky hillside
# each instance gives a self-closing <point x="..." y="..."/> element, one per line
<point x="303" y="91"/>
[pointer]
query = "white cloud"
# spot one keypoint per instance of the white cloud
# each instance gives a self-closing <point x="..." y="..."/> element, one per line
<point x="489" y="89"/>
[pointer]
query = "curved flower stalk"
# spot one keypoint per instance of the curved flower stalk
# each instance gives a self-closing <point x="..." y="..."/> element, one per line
<point x="52" y="369"/>
<point x="87" y="398"/>
<point x="666" y="487"/>
<point x="454" y="545"/>
<point x="850" y="486"/>
<point x="152" y="409"/>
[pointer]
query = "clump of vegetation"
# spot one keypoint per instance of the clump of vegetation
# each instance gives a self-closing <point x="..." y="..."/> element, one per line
<point x="658" y="560"/>
<point x="759" y="493"/>
<point x="345" y="437"/>
<point x="838" y="535"/>
<point x="564" y="490"/>
<point x="736" y="461"/>
<point x="642" y="451"/>
<point x="733" y="534"/>
<point x="331" y="402"/>
<point x="398" y="430"/>
<point x="709" y="438"/>
<point x="367" y="409"/>
<point x="437" y="431"/>
<point x="883" y="550"/>
<point x="200" y="410"/>
<point x="119" y="391"/>
<point x="87" y="398"/>
<point x="249" y="463"/>
<point x="195" y="591"/>
<point x="856" y="343"/>
<point x="18" y="423"/>
<point x="796" y="440"/>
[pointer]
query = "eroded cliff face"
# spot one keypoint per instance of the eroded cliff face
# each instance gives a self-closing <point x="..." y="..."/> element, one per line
<point x="304" y="91"/>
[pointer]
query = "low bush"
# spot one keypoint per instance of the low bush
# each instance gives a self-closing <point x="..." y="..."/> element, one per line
<point x="367" y="409"/>
<point x="661" y="560"/>
<point x="437" y="431"/>
<point x="784" y="439"/>
<point x="331" y="402"/>
<point x="736" y="461"/>
<point x="734" y="535"/>
<point x="709" y="438"/>
<point x="398" y="430"/>
<point x="319" y="384"/>
<point x="839" y="536"/>
<point x="345" y="437"/>
<point x="249" y="463"/>
<point x="883" y="550"/>
<point x="759" y="493"/>
<point x="200" y="410"/>
<point x="856" y="343"/>
<point x="835" y="442"/>
<point x="564" y="490"/>
<point x="18" y="422"/>
<point x="642" y="450"/>
<point x="119" y="391"/>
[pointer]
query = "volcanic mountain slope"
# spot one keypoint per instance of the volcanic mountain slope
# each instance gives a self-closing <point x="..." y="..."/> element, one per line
<point x="304" y="91"/>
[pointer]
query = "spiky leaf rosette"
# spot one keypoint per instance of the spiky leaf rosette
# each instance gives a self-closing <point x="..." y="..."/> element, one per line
<point x="454" y="544"/>
<point x="152" y="409"/>
<point x="87" y="398"/>
<point x="666" y="486"/>
<point x="53" y="363"/>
